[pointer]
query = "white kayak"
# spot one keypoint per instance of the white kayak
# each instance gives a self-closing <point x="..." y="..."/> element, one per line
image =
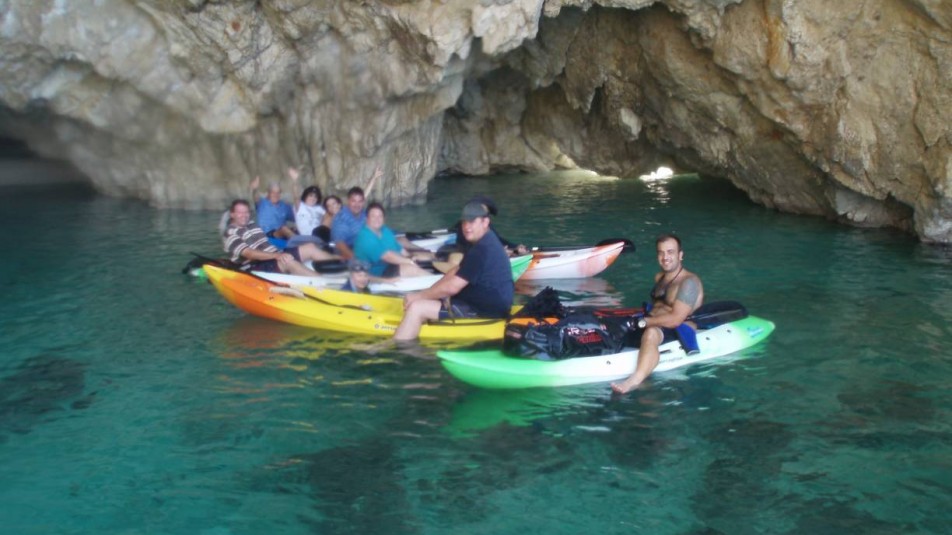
<point x="432" y="240"/>
<point x="335" y="281"/>
<point x="572" y="263"/>
<point x="328" y="280"/>
<point x="405" y="284"/>
<point x="396" y="285"/>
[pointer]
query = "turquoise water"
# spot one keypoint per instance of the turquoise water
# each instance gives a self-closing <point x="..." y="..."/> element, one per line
<point x="136" y="400"/>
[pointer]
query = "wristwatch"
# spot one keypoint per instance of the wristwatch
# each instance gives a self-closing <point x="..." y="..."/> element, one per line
<point x="642" y="323"/>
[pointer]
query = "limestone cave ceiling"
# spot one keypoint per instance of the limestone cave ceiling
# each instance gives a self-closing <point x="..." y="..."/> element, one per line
<point x="812" y="107"/>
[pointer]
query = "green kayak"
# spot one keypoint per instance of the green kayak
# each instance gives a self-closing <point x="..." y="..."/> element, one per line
<point x="493" y="369"/>
<point x="519" y="265"/>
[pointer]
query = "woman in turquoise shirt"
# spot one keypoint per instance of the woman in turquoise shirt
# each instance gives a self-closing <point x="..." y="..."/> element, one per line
<point x="377" y="245"/>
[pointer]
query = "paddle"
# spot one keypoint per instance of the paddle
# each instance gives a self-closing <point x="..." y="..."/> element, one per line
<point x="320" y="266"/>
<point x="200" y="260"/>
<point x="194" y="263"/>
<point x="619" y="312"/>
<point x="707" y="316"/>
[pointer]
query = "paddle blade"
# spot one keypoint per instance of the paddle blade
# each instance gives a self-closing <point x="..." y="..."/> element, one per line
<point x="199" y="260"/>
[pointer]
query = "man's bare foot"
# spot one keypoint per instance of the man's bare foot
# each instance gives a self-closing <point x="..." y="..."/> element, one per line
<point x="414" y="349"/>
<point x="376" y="347"/>
<point x="625" y="386"/>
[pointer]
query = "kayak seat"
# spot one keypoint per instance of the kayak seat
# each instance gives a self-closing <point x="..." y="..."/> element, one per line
<point x="710" y="315"/>
<point x="418" y="235"/>
<point x="330" y="266"/>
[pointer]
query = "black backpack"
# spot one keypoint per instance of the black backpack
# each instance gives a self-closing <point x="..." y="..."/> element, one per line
<point x="545" y="329"/>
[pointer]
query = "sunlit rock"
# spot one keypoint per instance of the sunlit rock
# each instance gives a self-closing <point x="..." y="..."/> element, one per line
<point x="832" y="109"/>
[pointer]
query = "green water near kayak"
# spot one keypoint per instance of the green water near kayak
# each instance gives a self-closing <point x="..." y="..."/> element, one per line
<point x="133" y="399"/>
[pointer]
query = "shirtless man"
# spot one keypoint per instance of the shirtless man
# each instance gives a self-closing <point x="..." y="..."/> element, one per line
<point x="676" y="294"/>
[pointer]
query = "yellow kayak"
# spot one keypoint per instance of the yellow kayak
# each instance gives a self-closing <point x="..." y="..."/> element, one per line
<point x="337" y="310"/>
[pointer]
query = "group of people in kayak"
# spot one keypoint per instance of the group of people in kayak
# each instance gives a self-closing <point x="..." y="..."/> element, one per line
<point x="317" y="224"/>
<point x="479" y="286"/>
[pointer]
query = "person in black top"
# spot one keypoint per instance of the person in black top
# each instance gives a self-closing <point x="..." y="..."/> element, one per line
<point x="462" y="245"/>
<point x="480" y="286"/>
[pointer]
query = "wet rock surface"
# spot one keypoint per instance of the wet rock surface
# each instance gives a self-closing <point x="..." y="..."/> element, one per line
<point x="841" y="111"/>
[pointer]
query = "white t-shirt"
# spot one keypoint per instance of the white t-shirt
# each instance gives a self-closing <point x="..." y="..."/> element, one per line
<point x="308" y="218"/>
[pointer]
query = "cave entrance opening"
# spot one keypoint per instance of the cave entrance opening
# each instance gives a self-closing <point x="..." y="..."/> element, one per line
<point x="661" y="173"/>
<point x="20" y="166"/>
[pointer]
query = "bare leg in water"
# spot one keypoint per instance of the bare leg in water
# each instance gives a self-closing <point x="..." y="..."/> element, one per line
<point x="648" y="356"/>
<point x="414" y="316"/>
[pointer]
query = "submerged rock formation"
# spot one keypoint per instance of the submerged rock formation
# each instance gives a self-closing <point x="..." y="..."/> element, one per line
<point x="810" y="107"/>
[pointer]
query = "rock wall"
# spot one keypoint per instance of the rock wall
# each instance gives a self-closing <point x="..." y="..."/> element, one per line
<point x="811" y="107"/>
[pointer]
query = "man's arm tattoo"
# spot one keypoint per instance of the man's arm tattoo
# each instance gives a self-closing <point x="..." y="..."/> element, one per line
<point x="688" y="291"/>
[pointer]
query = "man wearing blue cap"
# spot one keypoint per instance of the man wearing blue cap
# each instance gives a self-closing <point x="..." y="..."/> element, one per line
<point x="480" y="286"/>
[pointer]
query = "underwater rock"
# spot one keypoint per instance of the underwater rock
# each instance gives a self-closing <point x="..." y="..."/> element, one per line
<point x="42" y="386"/>
<point x="358" y="489"/>
<point x="743" y="474"/>
<point x="890" y="400"/>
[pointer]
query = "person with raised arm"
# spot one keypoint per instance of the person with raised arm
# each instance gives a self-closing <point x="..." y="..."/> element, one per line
<point x="273" y="214"/>
<point x="348" y="222"/>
